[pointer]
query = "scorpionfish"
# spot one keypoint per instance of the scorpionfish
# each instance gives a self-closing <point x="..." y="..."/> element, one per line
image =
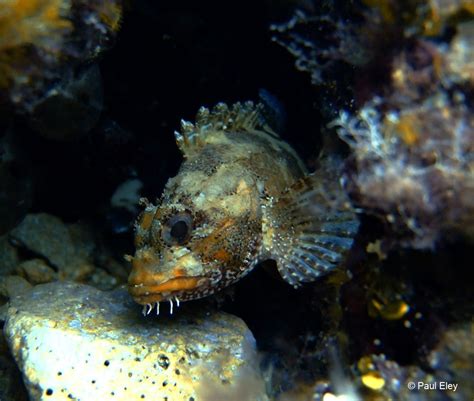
<point x="241" y="196"/>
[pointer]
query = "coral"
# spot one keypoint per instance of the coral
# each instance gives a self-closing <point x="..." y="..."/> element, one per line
<point x="41" y="23"/>
<point x="419" y="17"/>
<point x="30" y="29"/>
<point x="411" y="125"/>
<point x="460" y="59"/>
<point x="43" y="40"/>
<point x="414" y="163"/>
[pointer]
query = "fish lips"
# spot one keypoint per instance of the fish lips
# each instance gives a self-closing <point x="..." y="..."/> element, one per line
<point x="151" y="292"/>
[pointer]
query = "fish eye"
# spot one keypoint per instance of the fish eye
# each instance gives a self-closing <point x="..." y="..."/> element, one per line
<point x="178" y="229"/>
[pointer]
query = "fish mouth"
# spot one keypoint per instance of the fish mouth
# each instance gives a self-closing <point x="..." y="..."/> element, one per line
<point x="174" y="288"/>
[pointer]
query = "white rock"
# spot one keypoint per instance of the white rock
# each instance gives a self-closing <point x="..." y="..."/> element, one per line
<point x="75" y="342"/>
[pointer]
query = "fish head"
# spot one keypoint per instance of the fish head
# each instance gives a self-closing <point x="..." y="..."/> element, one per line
<point x="187" y="253"/>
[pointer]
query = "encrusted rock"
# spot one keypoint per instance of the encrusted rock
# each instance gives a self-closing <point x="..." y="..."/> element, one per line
<point x="36" y="271"/>
<point x="46" y="236"/>
<point x="8" y="256"/>
<point x="72" y="341"/>
<point x="101" y="280"/>
<point x="11" y="286"/>
<point x="66" y="248"/>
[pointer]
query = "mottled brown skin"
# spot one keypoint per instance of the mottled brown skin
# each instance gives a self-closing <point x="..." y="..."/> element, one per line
<point x="221" y="186"/>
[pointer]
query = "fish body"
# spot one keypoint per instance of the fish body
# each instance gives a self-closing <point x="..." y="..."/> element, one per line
<point x="242" y="195"/>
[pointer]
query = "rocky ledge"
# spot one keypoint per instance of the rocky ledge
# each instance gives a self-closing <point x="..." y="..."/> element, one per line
<point x="73" y="341"/>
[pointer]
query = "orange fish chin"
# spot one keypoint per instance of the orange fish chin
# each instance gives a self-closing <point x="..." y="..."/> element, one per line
<point x="169" y="289"/>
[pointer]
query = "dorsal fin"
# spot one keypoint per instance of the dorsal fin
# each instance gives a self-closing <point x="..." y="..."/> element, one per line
<point x="310" y="227"/>
<point x="240" y="117"/>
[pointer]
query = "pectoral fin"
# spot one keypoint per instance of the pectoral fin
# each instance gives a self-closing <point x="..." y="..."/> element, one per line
<point x="310" y="227"/>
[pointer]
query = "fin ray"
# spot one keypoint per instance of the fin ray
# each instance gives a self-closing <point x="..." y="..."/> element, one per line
<point x="307" y="272"/>
<point x="329" y="240"/>
<point x="310" y="227"/>
<point x="326" y="253"/>
<point x="238" y="117"/>
<point x="311" y="260"/>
